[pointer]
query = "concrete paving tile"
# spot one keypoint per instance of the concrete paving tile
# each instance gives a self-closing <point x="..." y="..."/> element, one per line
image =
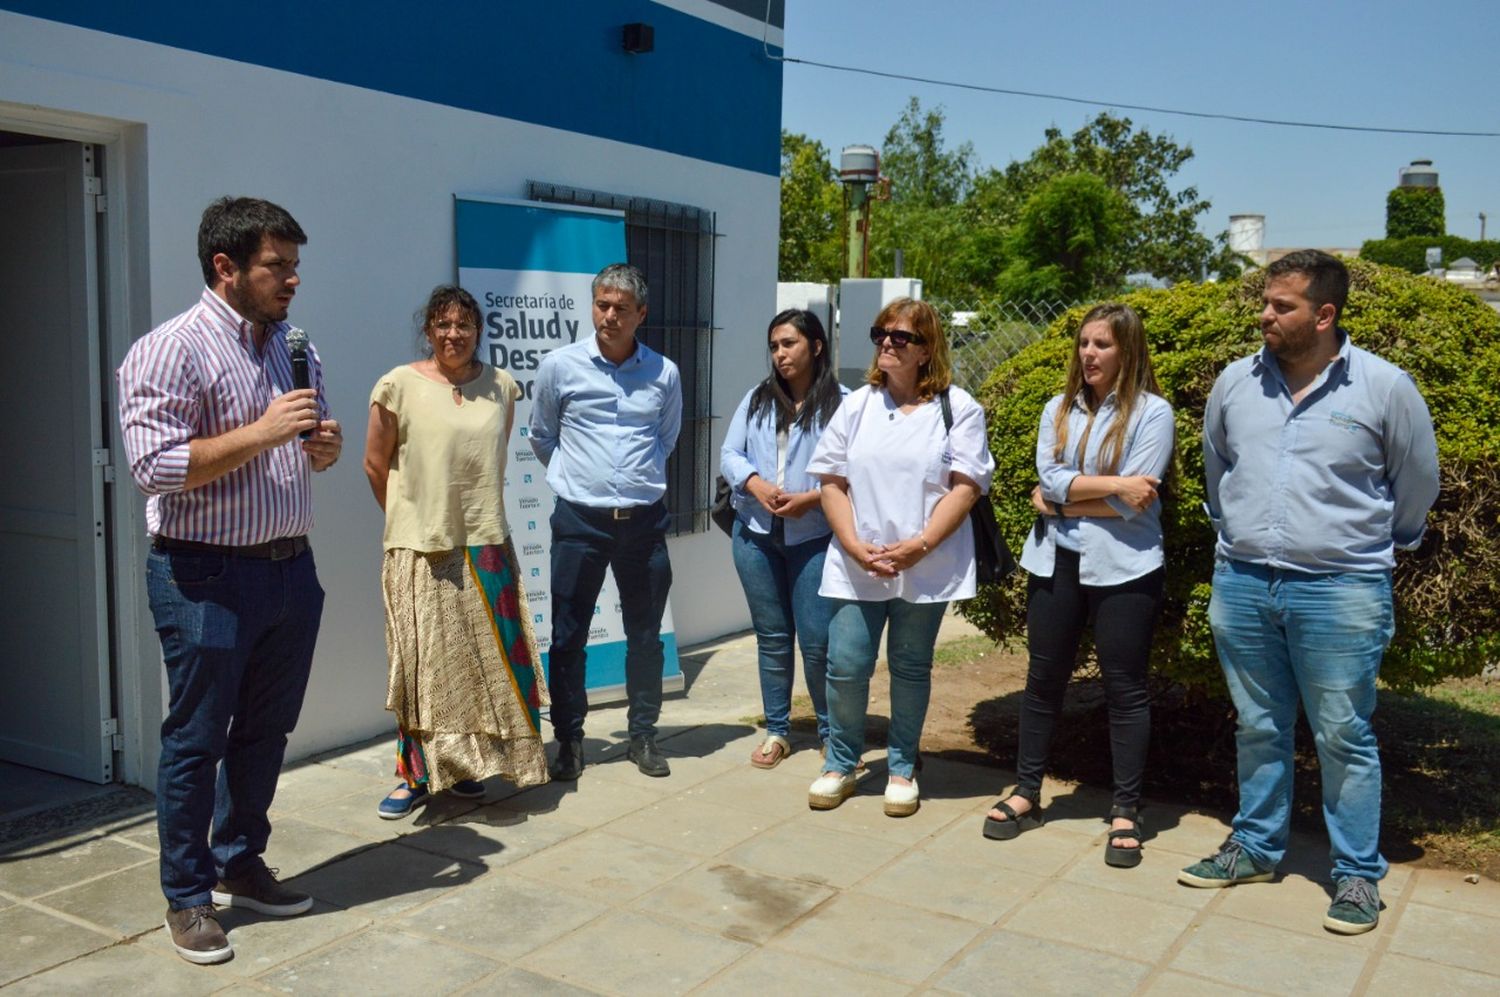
<point x="961" y="783"/>
<point x="687" y="770"/>
<point x="1457" y="938"/>
<point x="982" y="894"/>
<point x="374" y="759"/>
<point x="35" y="940"/>
<point x="261" y="942"/>
<point x="1293" y="903"/>
<point x="493" y="837"/>
<point x="864" y="813"/>
<point x="357" y="814"/>
<point x="778" y="794"/>
<point x="630" y="953"/>
<point x="816" y="855"/>
<point x="1035" y="851"/>
<point x="1236" y="952"/>
<point x="297" y="846"/>
<point x="734" y="741"/>
<point x="604" y="866"/>
<point x="127" y="902"/>
<point x="770" y="971"/>
<point x="1442" y="888"/>
<point x="521" y="983"/>
<point x="1050" y="967"/>
<point x="128" y="968"/>
<point x="689" y="825"/>
<point x="592" y="801"/>
<point x="1127" y="926"/>
<point x="1182" y="985"/>
<point x="1400" y="976"/>
<point x="381" y="961"/>
<point x="501" y="916"/>
<point x="1188" y="833"/>
<point x="386" y="879"/>
<point x="895" y="940"/>
<point x="311" y="787"/>
<point x="44" y="866"/>
<point x="1154" y="879"/>
<point x="737" y="903"/>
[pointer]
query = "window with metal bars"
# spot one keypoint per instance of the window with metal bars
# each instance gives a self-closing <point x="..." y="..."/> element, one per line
<point x="673" y="244"/>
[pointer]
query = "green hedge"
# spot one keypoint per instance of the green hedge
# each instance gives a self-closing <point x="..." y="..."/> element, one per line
<point x="1411" y="253"/>
<point x="1414" y="211"/>
<point x="1447" y="591"/>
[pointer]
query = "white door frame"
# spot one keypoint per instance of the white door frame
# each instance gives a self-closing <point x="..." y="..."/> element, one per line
<point x="125" y="315"/>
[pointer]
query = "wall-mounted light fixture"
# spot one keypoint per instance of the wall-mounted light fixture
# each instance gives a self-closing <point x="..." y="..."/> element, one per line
<point x="638" y="39"/>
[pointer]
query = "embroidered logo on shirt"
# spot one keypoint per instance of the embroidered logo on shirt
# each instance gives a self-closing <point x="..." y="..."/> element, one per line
<point x="1344" y="421"/>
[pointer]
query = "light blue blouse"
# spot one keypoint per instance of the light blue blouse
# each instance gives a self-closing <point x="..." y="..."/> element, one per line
<point x="750" y="448"/>
<point x="1111" y="551"/>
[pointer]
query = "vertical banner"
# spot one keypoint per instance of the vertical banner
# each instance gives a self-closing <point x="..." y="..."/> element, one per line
<point x="530" y="266"/>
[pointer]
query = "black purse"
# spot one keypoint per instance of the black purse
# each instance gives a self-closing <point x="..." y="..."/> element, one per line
<point x="722" y="511"/>
<point x="992" y="558"/>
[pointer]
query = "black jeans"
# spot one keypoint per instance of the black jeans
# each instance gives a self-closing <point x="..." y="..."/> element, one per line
<point x="1122" y="618"/>
<point x="584" y="542"/>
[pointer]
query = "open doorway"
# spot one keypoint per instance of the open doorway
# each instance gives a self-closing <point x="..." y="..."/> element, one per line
<point x="56" y="687"/>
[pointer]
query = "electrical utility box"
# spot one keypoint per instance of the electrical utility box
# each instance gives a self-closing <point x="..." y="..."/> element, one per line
<point x="860" y="300"/>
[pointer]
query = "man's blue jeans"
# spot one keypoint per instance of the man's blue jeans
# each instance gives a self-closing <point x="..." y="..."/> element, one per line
<point x="585" y="541"/>
<point x="237" y="637"/>
<point x="781" y="586"/>
<point x="853" y="642"/>
<point x="1290" y="636"/>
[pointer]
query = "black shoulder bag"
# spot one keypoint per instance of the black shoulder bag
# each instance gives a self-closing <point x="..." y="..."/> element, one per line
<point x="992" y="558"/>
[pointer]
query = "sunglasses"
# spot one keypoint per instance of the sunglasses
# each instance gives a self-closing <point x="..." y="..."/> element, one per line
<point x="898" y="338"/>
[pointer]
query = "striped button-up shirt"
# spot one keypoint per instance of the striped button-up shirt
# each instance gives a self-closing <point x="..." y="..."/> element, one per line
<point x="199" y="376"/>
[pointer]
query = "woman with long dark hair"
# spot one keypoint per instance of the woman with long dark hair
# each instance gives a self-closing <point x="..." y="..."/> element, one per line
<point x="780" y="533"/>
<point x="1095" y="561"/>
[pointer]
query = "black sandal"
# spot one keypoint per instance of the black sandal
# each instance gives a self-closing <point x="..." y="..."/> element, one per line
<point x="1124" y="856"/>
<point x="1014" y="824"/>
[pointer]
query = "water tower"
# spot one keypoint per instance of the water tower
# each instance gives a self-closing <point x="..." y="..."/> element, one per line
<point x="859" y="171"/>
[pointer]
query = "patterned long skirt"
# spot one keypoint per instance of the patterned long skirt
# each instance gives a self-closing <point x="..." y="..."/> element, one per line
<point x="465" y="676"/>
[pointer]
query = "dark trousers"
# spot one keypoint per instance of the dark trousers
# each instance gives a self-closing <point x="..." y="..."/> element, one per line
<point x="237" y="637"/>
<point x="584" y="542"/>
<point x="1122" y="618"/>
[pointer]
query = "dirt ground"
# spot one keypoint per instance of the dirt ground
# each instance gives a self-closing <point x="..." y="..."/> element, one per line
<point x="1433" y="815"/>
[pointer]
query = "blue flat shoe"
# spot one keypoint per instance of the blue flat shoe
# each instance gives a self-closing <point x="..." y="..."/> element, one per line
<point x="469" y="789"/>
<point x="395" y="807"/>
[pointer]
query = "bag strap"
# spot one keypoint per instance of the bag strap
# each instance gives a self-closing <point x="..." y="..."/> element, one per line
<point x="947" y="412"/>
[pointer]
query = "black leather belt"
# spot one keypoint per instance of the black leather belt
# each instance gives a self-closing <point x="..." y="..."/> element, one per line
<point x="609" y="512"/>
<point x="280" y="549"/>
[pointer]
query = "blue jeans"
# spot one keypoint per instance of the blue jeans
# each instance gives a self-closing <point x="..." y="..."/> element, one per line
<point x="781" y="586"/>
<point x="853" y="642"/>
<point x="584" y="542"/>
<point x="237" y="637"/>
<point x="1289" y="636"/>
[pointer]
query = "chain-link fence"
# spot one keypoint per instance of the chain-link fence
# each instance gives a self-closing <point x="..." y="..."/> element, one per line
<point x="983" y="336"/>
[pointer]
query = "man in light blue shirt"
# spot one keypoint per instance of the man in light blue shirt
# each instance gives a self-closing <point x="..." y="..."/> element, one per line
<point x="605" y="417"/>
<point x="1321" y="461"/>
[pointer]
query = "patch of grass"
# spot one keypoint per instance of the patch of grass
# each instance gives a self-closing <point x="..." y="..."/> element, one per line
<point x="962" y="651"/>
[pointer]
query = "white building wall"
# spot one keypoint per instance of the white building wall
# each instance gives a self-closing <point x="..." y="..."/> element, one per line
<point x="370" y="177"/>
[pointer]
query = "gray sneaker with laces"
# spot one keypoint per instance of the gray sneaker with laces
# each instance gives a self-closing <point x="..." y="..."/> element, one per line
<point x="1355" y="908"/>
<point x="1230" y="865"/>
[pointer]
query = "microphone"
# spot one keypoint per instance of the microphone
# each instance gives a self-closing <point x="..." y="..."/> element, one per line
<point x="296" y="342"/>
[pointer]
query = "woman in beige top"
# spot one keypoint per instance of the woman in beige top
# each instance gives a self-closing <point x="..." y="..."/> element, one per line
<point x="465" y="680"/>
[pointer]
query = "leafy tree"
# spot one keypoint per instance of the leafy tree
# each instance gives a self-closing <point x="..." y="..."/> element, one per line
<point x="812" y="212"/>
<point x="1413" y="211"/>
<point x="1162" y="236"/>
<point x="1065" y="246"/>
<point x="923" y="173"/>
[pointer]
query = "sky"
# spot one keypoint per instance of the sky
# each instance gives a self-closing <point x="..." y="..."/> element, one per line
<point x="1402" y="65"/>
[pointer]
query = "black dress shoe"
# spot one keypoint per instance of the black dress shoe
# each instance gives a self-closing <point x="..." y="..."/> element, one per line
<point x="568" y="765"/>
<point x="647" y="756"/>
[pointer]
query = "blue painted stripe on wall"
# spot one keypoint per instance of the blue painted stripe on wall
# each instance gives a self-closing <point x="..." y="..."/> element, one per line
<point x="705" y="92"/>
<point x="515" y="237"/>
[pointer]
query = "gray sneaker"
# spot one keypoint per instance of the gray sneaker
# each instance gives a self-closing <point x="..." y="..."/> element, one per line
<point x="1355" y="908"/>
<point x="1230" y="865"/>
<point x="196" y="935"/>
